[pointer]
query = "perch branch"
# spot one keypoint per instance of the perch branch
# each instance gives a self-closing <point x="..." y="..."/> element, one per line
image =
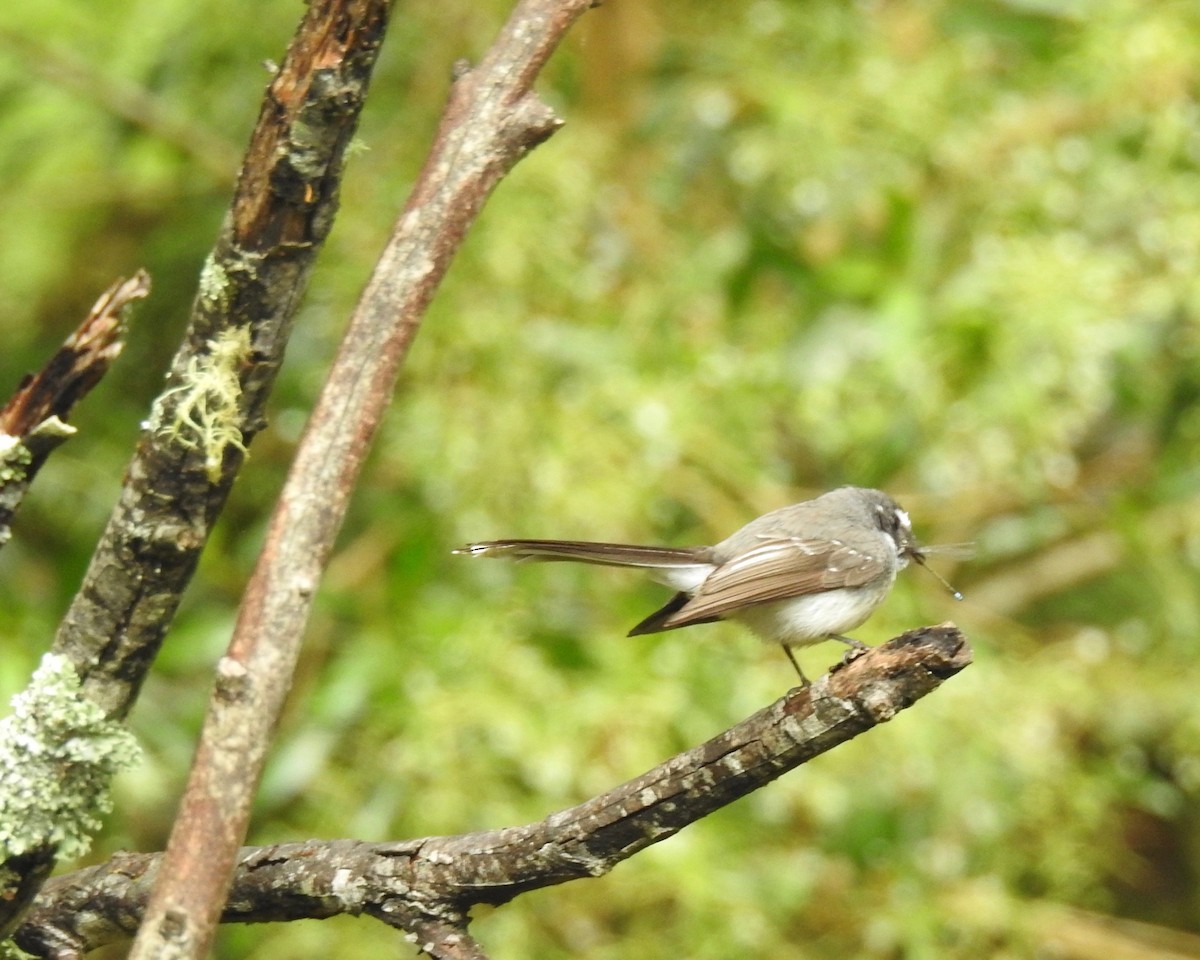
<point x="427" y="886"/>
<point x="492" y="119"/>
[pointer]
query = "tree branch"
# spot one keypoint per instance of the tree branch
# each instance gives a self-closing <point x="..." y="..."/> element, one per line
<point x="217" y="388"/>
<point x="33" y="422"/>
<point x="428" y="886"/>
<point x="216" y="392"/>
<point x="492" y="120"/>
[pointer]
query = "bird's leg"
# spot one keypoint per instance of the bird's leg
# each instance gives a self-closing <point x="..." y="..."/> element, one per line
<point x="791" y="656"/>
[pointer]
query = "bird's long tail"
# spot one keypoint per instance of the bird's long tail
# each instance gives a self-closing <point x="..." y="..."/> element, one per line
<point x="583" y="551"/>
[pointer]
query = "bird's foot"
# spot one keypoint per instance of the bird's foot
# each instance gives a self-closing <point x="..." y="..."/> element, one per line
<point x="857" y="648"/>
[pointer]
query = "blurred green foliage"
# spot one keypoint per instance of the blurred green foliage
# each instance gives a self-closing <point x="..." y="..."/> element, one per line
<point x="945" y="247"/>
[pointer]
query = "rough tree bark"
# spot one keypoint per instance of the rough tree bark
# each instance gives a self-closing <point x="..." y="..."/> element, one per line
<point x="33" y="423"/>
<point x="219" y="380"/>
<point x="427" y="886"/>
<point x="252" y="284"/>
<point x="493" y="118"/>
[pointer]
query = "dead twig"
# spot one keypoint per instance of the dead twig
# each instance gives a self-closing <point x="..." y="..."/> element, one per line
<point x="34" y="421"/>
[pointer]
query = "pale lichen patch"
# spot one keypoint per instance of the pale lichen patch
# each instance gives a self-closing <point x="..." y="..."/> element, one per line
<point x="58" y="755"/>
<point x="205" y="408"/>
<point x="14" y="459"/>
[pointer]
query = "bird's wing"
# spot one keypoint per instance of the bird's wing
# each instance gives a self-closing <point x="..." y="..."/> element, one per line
<point x="778" y="569"/>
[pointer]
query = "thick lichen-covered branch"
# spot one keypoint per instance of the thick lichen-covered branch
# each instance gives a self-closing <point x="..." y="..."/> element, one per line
<point x="186" y="459"/>
<point x="218" y="383"/>
<point x="58" y="754"/>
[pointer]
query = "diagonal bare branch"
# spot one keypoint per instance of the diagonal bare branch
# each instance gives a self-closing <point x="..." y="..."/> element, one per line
<point x="493" y="118"/>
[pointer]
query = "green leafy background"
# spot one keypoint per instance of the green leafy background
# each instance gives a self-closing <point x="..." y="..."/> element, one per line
<point x="945" y="248"/>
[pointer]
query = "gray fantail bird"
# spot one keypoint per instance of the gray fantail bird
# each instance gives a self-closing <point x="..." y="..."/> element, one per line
<point x="795" y="576"/>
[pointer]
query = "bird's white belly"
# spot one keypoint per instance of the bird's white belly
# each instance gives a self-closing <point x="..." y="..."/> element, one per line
<point x="800" y="621"/>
